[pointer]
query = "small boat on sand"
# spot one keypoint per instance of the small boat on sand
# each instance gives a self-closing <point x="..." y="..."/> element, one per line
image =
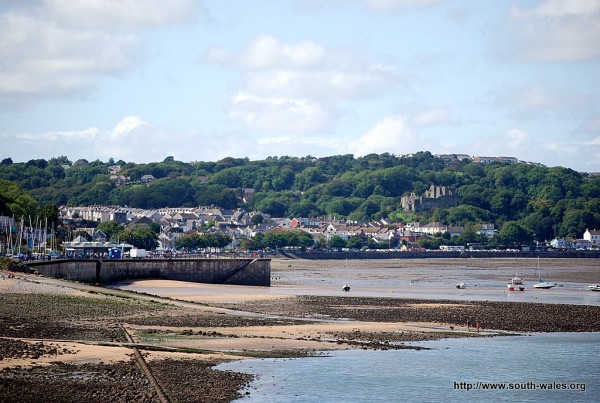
<point x="516" y="284"/>
<point x="595" y="287"/>
<point x="543" y="284"/>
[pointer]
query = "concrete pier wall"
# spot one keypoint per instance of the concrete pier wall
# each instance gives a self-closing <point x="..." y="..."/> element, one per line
<point x="323" y="255"/>
<point x="255" y="272"/>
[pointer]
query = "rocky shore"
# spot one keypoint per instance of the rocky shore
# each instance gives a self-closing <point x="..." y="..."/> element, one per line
<point x="508" y="316"/>
<point x="69" y="343"/>
<point x="37" y="321"/>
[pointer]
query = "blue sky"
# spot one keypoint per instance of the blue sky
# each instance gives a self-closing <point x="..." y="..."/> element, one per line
<point x="141" y="80"/>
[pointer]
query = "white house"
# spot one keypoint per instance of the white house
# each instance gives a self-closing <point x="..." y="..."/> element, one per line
<point x="561" y="243"/>
<point x="487" y="229"/>
<point x="593" y="236"/>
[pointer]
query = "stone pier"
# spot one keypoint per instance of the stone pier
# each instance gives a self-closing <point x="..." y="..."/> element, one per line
<point x="255" y="272"/>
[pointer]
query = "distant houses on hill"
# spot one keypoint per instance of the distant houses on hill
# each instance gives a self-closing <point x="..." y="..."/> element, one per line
<point x="238" y="224"/>
<point x="484" y="160"/>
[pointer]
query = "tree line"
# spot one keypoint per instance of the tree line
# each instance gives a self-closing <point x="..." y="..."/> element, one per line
<point x="545" y="202"/>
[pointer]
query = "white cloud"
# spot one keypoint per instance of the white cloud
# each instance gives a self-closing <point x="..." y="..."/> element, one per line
<point x="531" y="147"/>
<point x="391" y="134"/>
<point x="377" y="6"/>
<point x="123" y="141"/>
<point x="127" y="125"/>
<point x="298" y="86"/>
<point x="557" y="31"/>
<point x="266" y="52"/>
<point x="274" y="140"/>
<point x="55" y="48"/>
<point x="563" y="147"/>
<point x="526" y="102"/>
<point x="395" y="5"/>
<point x="86" y="134"/>
<point x="324" y="85"/>
<point x="559" y="8"/>
<point x="516" y="138"/>
<point x="432" y="117"/>
<point x="122" y="14"/>
<point x="279" y="114"/>
<point x="512" y="143"/>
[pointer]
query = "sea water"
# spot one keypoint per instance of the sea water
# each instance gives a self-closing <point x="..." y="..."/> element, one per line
<point x="550" y="367"/>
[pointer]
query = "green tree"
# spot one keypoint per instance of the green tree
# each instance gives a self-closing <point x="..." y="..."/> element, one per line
<point x="337" y="242"/>
<point x="308" y="178"/>
<point x="514" y="233"/>
<point x="272" y="206"/>
<point x="354" y="243"/>
<point x="217" y="195"/>
<point x="465" y="214"/>
<point x="257" y="219"/>
<point x="141" y="236"/>
<point x="303" y="208"/>
<point x="112" y="229"/>
<point x="17" y="201"/>
<point x="575" y="222"/>
<point x="50" y="216"/>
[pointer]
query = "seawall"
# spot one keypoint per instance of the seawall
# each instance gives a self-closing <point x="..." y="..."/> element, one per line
<point x="255" y="272"/>
<point x="325" y="255"/>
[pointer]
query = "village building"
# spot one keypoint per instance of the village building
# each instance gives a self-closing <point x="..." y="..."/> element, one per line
<point x="593" y="236"/>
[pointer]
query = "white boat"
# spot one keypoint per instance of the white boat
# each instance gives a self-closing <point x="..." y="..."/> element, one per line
<point x="595" y="287"/>
<point x="543" y="284"/>
<point x="516" y="284"/>
<point x="461" y="286"/>
<point x="346" y="288"/>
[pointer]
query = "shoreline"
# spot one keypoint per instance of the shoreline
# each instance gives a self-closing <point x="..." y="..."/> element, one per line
<point x="50" y="327"/>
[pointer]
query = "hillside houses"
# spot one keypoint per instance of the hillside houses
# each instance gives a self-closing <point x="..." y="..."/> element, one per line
<point x="456" y="158"/>
<point x="238" y="225"/>
<point x="593" y="237"/>
<point x="434" y="228"/>
<point x="97" y="213"/>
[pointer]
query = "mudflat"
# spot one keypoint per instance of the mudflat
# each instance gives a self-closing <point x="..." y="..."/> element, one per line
<point x="72" y="342"/>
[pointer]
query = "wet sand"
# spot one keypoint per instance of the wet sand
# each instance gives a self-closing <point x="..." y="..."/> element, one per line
<point x="485" y="280"/>
<point x="57" y="336"/>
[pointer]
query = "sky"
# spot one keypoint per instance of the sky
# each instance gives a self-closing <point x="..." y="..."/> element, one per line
<point x="202" y="80"/>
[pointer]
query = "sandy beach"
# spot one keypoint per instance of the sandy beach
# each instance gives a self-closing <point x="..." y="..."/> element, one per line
<point x="50" y="328"/>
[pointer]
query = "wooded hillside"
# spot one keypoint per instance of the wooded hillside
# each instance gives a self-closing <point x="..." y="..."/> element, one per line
<point x="548" y="202"/>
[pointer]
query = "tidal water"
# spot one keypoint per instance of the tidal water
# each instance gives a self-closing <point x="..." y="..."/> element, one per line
<point x="549" y="367"/>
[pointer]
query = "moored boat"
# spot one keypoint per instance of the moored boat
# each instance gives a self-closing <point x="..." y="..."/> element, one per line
<point x="516" y="284"/>
<point x="460" y="286"/>
<point x="595" y="287"/>
<point x="543" y="284"/>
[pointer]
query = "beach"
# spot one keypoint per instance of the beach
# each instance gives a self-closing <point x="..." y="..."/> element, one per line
<point x="71" y="339"/>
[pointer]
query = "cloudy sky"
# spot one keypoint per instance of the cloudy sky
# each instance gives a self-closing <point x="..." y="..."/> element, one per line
<point x="201" y="80"/>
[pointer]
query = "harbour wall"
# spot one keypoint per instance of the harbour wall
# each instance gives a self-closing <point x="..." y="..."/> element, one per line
<point x="325" y="255"/>
<point x="256" y="272"/>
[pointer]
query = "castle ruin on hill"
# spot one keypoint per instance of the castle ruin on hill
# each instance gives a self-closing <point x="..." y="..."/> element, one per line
<point x="435" y="197"/>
